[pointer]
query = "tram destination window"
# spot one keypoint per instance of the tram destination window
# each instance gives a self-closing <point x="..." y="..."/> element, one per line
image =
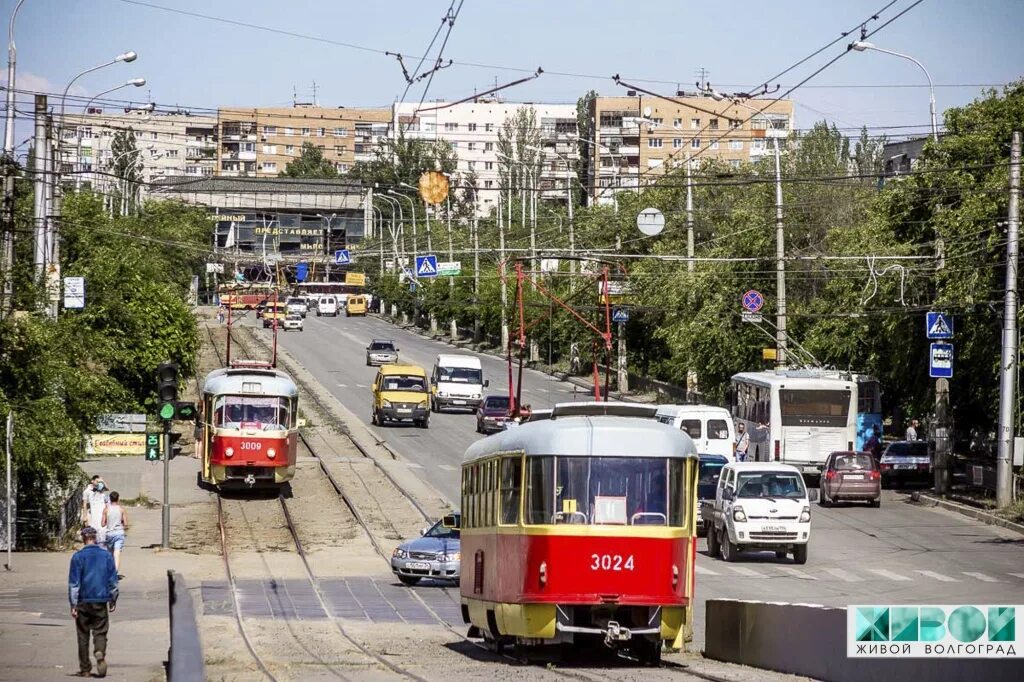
<point x="247" y="412"/>
<point x="511" y="475"/>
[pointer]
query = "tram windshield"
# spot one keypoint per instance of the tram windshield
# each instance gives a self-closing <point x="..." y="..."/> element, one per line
<point x="248" y="412"/>
<point x="605" y="491"/>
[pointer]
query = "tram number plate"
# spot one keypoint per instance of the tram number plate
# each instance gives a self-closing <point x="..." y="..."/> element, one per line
<point x="418" y="565"/>
<point x="611" y="562"/>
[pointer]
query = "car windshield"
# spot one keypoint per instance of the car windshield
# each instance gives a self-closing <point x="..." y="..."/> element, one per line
<point x="605" y="491"/>
<point x="296" y="301"/>
<point x="460" y="375"/>
<point x="246" y="412"/>
<point x="497" y="403"/>
<point x="381" y="345"/>
<point x="707" y="479"/>
<point x="853" y="461"/>
<point x="770" y="484"/>
<point x="397" y="382"/>
<point x="917" y="449"/>
<point x="438" y="530"/>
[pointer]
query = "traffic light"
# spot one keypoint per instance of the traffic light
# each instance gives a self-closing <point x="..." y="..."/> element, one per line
<point x="152" y="447"/>
<point x="185" y="411"/>
<point x="167" y="389"/>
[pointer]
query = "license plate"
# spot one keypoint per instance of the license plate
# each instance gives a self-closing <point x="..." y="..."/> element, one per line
<point x="458" y="402"/>
<point x="773" y="529"/>
<point x="905" y="466"/>
<point x="418" y="565"/>
<point x="853" y="477"/>
<point x="404" y="410"/>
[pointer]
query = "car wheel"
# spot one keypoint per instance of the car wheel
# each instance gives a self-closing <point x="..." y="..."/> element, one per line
<point x="730" y="551"/>
<point x="800" y="554"/>
<point x="433" y="405"/>
<point x="876" y="503"/>
<point x="373" y="417"/>
<point x="824" y="501"/>
<point x="713" y="547"/>
<point x="779" y="554"/>
<point x="409" y="580"/>
<point x="425" y="423"/>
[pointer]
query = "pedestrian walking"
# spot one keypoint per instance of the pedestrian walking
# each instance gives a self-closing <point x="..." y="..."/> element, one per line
<point x="115" y="522"/>
<point x="912" y="430"/>
<point x="94" y="500"/>
<point x="220" y="314"/>
<point x="92" y="593"/>
<point x="874" y="444"/>
<point x="742" y="442"/>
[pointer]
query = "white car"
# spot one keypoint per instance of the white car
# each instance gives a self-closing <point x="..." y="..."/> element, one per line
<point x="298" y="305"/>
<point x="292" y="321"/>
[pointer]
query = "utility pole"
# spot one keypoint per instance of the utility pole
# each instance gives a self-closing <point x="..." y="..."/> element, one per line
<point x="501" y="266"/>
<point x="42" y="149"/>
<point x="941" y="436"/>
<point x="166" y="506"/>
<point x="53" y="224"/>
<point x="476" y="275"/>
<point x="451" y="280"/>
<point x="532" y="196"/>
<point x="689" y="215"/>
<point x="7" y="247"/>
<point x="1008" y="363"/>
<point x="623" y="373"/>
<point x="780" y="260"/>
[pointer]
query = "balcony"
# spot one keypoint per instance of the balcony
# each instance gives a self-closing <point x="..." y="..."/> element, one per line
<point x="200" y="154"/>
<point x="240" y="156"/>
<point x="630" y="150"/>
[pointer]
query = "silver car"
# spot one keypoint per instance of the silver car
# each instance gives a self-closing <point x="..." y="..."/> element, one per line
<point x="435" y="555"/>
<point x="381" y="352"/>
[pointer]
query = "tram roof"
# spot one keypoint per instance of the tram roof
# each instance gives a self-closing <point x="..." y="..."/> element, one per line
<point x="240" y="380"/>
<point x="588" y="437"/>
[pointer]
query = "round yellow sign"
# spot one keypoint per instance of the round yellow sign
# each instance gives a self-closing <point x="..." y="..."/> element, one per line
<point x="433" y="187"/>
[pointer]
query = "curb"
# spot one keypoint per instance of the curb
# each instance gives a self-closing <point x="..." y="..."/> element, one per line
<point x="977" y="514"/>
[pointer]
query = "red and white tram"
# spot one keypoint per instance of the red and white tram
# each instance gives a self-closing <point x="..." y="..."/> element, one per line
<point x="248" y="426"/>
<point x="580" y="530"/>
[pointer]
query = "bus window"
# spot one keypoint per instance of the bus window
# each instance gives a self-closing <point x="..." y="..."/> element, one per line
<point x="511" y="474"/>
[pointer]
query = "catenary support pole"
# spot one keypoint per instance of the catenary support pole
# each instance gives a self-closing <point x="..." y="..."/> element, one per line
<point x="41" y="147"/>
<point x="1008" y="362"/>
<point x="454" y="330"/>
<point x="166" y="520"/>
<point x="476" y="278"/>
<point x="7" y="222"/>
<point x="53" y="223"/>
<point x="780" y="262"/>
<point x="623" y="373"/>
<point x="502" y="266"/>
<point x="9" y="493"/>
<point x="689" y="215"/>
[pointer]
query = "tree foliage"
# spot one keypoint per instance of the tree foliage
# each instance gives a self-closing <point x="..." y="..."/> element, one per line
<point x="311" y="163"/>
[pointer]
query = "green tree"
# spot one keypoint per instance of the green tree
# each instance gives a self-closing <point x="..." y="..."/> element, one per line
<point x="311" y="163"/>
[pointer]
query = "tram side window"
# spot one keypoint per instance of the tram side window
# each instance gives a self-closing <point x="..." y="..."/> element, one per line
<point x="492" y="493"/>
<point x="677" y="492"/>
<point x="511" y="475"/>
<point x="540" y="490"/>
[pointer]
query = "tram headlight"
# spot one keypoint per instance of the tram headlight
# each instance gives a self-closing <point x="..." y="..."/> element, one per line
<point x="739" y="515"/>
<point x="271" y="453"/>
<point x="399" y="553"/>
<point x="805" y="515"/>
<point x="229" y="452"/>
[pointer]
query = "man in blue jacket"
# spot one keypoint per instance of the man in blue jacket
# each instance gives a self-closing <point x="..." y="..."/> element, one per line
<point x="92" y="586"/>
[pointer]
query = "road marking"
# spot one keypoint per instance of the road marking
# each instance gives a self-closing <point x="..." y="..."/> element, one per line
<point x="845" y="576"/>
<point x="413" y="465"/>
<point x="937" y="576"/>
<point x="342" y="385"/>
<point x="361" y="386"/>
<point x="700" y="570"/>
<point x="796" y="572"/>
<point x="446" y="467"/>
<point x="748" y="572"/>
<point x="889" y="574"/>
<point x="982" y="577"/>
<point x="1018" y="575"/>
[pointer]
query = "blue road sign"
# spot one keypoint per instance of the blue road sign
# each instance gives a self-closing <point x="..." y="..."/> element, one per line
<point x="301" y="272"/>
<point x="620" y="315"/>
<point x="426" y="266"/>
<point x="938" y="326"/>
<point x="753" y="301"/>
<point x="342" y="257"/>
<point x="940" y="361"/>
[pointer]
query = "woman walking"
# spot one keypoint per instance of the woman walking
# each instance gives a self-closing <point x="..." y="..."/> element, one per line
<point x="115" y="522"/>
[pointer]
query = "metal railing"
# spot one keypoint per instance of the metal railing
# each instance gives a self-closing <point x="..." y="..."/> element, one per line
<point x="185" y="654"/>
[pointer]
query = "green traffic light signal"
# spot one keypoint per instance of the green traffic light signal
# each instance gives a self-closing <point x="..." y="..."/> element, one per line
<point x="152" y="447"/>
<point x="167" y="411"/>
<point x="185" y="411"/>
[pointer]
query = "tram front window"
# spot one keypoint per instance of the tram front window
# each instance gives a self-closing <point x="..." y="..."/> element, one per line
<point x="244" y="412"/>
<point x="600" y="491"/>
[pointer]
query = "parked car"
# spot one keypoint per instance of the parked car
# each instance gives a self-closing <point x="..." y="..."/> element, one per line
<point x="292" y="321"/>
<point x="851" y="476"/>
<point x="492" y="413"/>
<point x="906" y="461"/>
<point x="381" y="352"/>
<point x="399" y="393"/>
<point x="759" y="506"/>
<point x="437" y="554"/>
<point x="709" y="470"/>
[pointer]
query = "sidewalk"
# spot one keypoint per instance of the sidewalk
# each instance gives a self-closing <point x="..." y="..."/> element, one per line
<point x="37" y="634"/>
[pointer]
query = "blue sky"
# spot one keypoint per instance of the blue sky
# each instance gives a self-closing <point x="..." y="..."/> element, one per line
<point x="201" y="63"/>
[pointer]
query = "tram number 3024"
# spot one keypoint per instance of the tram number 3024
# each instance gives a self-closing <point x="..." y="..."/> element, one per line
<point x="611" y="562"/>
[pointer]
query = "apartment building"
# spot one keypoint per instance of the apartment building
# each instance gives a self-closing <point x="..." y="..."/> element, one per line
<point x="638" y="138"/>
<point x="472" y="130"/>
<point x="261" y="141"/>
<point x="170" y="144"/>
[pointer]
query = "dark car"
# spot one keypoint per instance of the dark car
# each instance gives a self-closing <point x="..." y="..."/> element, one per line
<point x="260" y="308"/>
<point x="709" y="469"/>
<point x="906" y="461"/>
<point x="492" y="413"/>
<point x="851" y="476"/>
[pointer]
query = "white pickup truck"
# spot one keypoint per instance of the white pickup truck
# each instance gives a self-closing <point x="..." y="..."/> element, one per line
<point x="759" y="506"/>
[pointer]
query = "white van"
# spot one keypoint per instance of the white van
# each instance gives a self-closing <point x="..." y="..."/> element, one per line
<point x="457" y="381"/>
<point x="710" y="427"/>
<point x="328" y="306"/>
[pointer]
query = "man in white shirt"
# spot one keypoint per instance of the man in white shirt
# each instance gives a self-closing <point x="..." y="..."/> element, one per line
<point x="912" y="430"/>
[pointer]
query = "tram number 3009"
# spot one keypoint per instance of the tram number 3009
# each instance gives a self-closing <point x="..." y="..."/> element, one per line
<point x="611" y="562"/>
<point x="251" y="445"/>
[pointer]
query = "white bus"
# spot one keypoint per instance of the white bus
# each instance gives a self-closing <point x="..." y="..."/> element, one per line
<point x="795" y="416"/>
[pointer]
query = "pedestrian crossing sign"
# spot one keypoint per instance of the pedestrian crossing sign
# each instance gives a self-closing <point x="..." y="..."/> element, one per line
<point x="426" y="266"/>
<point x="938" y="326"/>
<point x="342" y="257"/>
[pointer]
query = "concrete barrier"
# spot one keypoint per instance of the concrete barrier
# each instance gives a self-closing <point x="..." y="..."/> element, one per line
<point x="185" y="660"/>
<point x="810" y="640"/>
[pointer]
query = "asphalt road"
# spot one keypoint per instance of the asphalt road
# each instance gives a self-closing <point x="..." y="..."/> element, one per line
<point x="900" y="553"/>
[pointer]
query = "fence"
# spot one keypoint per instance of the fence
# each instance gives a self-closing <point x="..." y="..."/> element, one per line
<point x="185" y="654"/>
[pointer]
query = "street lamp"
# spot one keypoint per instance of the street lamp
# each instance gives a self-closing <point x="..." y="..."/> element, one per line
<point x="137" y="82"/>
<point x="862" y="46"/>
<point x="781" y="338"/>
<point x="413" y="204"/>
<point x="426" y="215"/>
<point x="568" y="195"/>
<point x="7" y="248"/>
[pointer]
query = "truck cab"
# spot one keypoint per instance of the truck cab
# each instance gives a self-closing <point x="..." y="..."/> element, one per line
<point x="759" y="506"/>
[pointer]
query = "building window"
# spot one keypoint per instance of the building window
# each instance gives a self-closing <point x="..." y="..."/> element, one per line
<point x="269" y="167"/>
<point x="714" y="144"/>
<point x="451" y="126"/>
<point x="677" y="122"/>
<point x="341" y="132"/>
<point x="342" y="167"/>
<point x="488" y="165"/>
<point x="321" y="132"/>
<point x="454" y="144"/>
<point x="488" y="127"/>
<point x="657" y="122"/>
<point x="735" y="124"/>
<point x="471" y="146"/>
<point x="289" y="149"/>
<point x="471" y="127"/>
<point x="154" y="136"/>
<point x="677" y="142"/>
<point x="695" y="143"/>
<point x="270" y="130"/>
<point x="713" y="124"/>
<point x="757" y="145"/>
<point x="270" y="149"/>
<point x="735" y="163"/>
<point x="288" y="132"/>
<point x="488" y="146"/>
<point x="736" y="145"/>
<point x="305" y="132"/>
<point x="654" y="142"/>
<point x="340" y="148"/>
<point x="694" y="123"/>
<point x="247" y="147"/>
<point x="172" y="153"/>
<point x="471" y="165"/>
<point x="488" y="184"/>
